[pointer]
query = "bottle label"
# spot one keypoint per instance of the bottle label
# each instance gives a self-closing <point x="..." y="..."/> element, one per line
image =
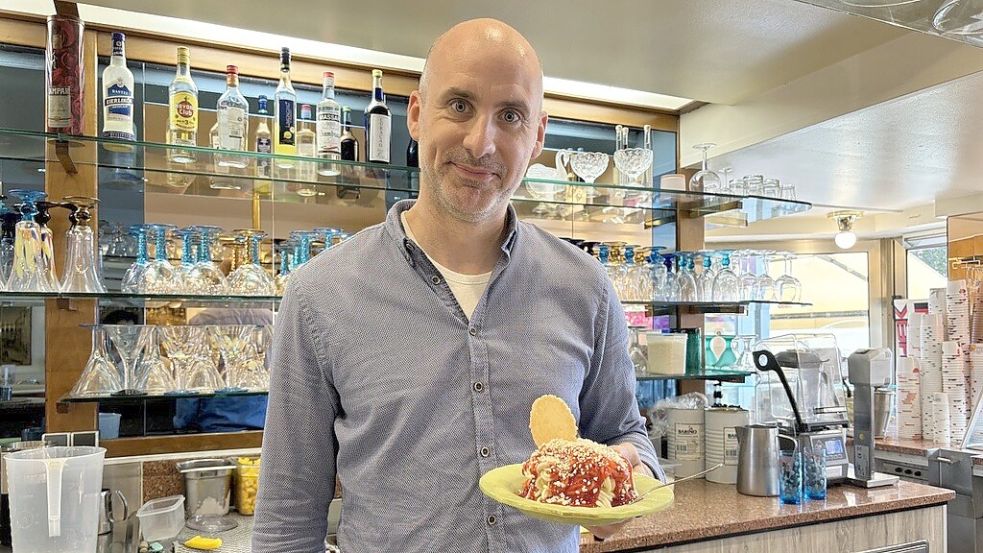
<point x="379" y="134"/>
<point x="731" y="446"/>
<point x="328" y="130"/>
<point x="688" y="441"/>
<point x="286" y="132"/>
<point x="59" y="107"/>
<point x="119" y="103"/>
<point x="184" y="111"/>
<point x="264" y="145"/>
<point x="231" y="128"/>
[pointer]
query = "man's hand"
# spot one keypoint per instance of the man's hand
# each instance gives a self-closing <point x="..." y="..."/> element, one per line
<point x="630" y="454"/>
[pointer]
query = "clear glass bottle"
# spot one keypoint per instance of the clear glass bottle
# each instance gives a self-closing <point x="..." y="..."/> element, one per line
<point x="117" y="94"/>
<point x="349" y="144"/>
<point x="264" y="139"/>
<point x="378" y="124"/>
<point x="328" y="127"/>
<point x="183" y="125"/>
<point x="233" y="120"/>
<point x="285" y="113"/>
<point x="306" y="147"/>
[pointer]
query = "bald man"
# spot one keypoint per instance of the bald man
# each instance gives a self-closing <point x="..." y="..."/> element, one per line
<point x="405" y="360"/>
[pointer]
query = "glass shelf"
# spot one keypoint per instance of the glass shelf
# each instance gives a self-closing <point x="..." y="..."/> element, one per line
<point x="144" y="397"/>
<point x="727" y="375"/>
<point x="141" y="300"/>
<point x="712" y="307"/>
<point x="201" y="172"/>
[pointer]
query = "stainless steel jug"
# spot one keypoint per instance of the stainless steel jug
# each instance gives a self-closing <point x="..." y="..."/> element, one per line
<point x="106" y="517"/>
<point x="758" y="467"/>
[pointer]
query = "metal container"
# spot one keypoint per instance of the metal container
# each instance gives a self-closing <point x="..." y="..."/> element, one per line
<point x="883" y="407"/>
<point x="721" y="442"/>
<point x="758" y="459"/>
<point x="106" y="512"/>
<point x="686" y="440"/>
<point x="208" y="486"/>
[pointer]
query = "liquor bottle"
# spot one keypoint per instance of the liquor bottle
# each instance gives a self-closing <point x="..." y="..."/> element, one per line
<point x="183" y="126"/>
<point x="264" y="141"/>
<point x="378" y="123"/>
<point x="306" y="143"/>
<point x="349" y="144"/>
<point x="328" y="127"/>
<point x="233" y="120"/>
<point x="117" y="94"/>
<point x="285" y="113"/>
<point x="413" y="160"/>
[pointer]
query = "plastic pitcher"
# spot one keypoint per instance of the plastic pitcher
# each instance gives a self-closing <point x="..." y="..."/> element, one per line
<point x="54" y="498"/>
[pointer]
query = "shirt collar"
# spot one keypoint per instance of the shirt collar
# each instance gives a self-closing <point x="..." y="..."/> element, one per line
<point x="394" y="227"/>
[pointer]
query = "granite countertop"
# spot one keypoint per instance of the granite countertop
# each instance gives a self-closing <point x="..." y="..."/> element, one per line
<point x="905" y="446"/>
<point x="705" y="511"/>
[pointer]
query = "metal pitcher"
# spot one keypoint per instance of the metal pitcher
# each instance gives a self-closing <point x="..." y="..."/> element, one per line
<point x="106" y="514"/>
<point x="758" y="467"/>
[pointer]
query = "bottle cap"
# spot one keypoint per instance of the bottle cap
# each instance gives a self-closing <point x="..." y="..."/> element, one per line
<point x="285" y="55"/>
<point x="328" y="74"/>
<point x="305" y="111"/>
<point x="117" y="37"/>
<point x="232" y="69"/>
<point x="376" y="73"/>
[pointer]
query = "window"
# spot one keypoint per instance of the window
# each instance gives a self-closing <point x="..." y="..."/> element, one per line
<point x="926" y="269"/>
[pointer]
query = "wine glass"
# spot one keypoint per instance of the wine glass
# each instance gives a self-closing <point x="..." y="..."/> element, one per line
<point x="640" y="275"/>
<point x="746" y="277"/>
<point x="28" y="272"/>
<point x="633" y="162"/>
<point x="283" y="276"/>
<point x="636" y="353"/>
<point x="209" y="277"/>
<point x="186" y="279"/>
<point x="128" y="342"/>
<point x="250" y="278"/>
<point x="133" y="279"/>
<point x="726" y="287"/>
<point x="81" y="258"/>
<point x="658" y="274"/>
<point x="789" y="287"/>
<point x="764" y="289"/>
<point x="958" y="17"/>
<point x="154" y="373"/>
<point x="100" y="377"/>
<point x="303" y="239"/>
<point x="686" y="281"/>
<point x="158" y="278"/>
<point x="704" y="282"/>
<point x="589" y="166"/>
<point x="772" y="188"/>
<point x="188" y="349"/>
<point x="705" y="180"/>
<point x="9" y="218"/>
<point x="47" y="252"/>
<point x="726" y="185"/>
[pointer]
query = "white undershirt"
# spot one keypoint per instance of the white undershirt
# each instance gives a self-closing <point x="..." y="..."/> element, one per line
<point x="467" y="289"/>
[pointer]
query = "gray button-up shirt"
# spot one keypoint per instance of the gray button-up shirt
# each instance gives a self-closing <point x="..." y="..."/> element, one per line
<point x="380" y="378"/>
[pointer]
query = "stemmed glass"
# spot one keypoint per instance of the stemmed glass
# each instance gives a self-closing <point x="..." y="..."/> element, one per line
<point x="746" y="277"/>
<point x="726" y="286"/>
<point x="327" y="234"/>
<point x="286" y="250"/>
<point x="250" y="278"/>
<point x="764" y="289"/>
<point x="158" y="278"/>
<point x="705" y="180"/>
<point x="233" y="344"/>
<point x="958" y="17"/>
<point x="746" y="361"/>
<point x="303" y="239"/>
<point x="82" y="258"/>
<point x="129" y="343"/>
<point x="9" y="218"/>
<point x="633" y="162"/>
<point x="704" y="281"/>
<point x="155" y="375"/>
<point x="641" y="275"/>
<point x="187" y="348"/>
<point x="100" y="377"/>
<point x="789" y="287"/>
<point x="671" y="285"/>
<point x="589" y="166"/>
<point x="657" y="274"/>
<point x="185" y="276"/>
<point x="29" y="272"/>
<point x="47" y="242"/>
<point x="726" y="186"/>
<point x="686" y="281"/>
<point x="638" y="356"/>
<point x="133" y="279"/>
<point x="206" y="273"/>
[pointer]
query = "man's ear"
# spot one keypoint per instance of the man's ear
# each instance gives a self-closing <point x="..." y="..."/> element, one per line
<point x="413" y="114"/>
<point x="540" y="136"/>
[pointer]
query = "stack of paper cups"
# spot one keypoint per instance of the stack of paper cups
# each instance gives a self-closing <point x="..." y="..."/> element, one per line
<point x="957" y="312"/>
<point x="954" y="386"/>
<point x="975" y="374"/>
<point x="935" y="422"/>
<point x="909" y="399"/>
<point x="936" y="301"/>
<point x="976" y="312"/>
<point x="930" y="362"/>
<point x="914" y="334"/>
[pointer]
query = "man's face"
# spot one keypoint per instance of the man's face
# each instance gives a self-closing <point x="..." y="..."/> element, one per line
<point x="479" y="126"/>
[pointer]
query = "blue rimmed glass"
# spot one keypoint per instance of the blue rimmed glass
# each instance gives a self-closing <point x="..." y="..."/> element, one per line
<point x="250" y="278"/>
<point x="726" y="285"/>
<point x="29" y="271"/>
<point x="790" y="477"/>
<point x="286" y="250"/>
<point x="208" y="276"/>
<point x="133" y="279"/>
<point x="814" y="473"/>
<point x="158" y="278"/>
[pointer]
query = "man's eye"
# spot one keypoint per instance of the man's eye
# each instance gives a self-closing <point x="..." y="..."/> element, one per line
<point x="459" y="106"/>
<point x="512" y="116"/>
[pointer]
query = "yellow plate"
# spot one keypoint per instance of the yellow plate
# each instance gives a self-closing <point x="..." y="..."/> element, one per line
<point x="505" y="483"/>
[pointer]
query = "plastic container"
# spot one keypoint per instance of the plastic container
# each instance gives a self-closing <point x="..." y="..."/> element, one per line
<point x="54" y="498"/>
<point x="109" y="426"/>
<point x="246" y="484"/>
<point x="162" y="519"/>
<point x="666" y="353"/>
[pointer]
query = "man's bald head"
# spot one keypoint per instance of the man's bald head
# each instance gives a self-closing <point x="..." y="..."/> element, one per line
<point x="475" y="35"/>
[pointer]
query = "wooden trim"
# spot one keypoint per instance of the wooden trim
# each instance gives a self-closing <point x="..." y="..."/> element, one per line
<point x="22" y="31"/>
<point x="153" y="445"/>
<point x="689" y="237"/>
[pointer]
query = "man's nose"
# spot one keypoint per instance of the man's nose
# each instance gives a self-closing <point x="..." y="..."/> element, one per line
<point x="480" y="140"/>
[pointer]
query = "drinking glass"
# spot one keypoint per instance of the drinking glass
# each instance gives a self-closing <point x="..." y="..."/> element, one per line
<point x="641" y="276"/>
<point x="657" y="274"/>
<point x="154" y="373"/>
<point x="327" y="234"/>
<point x="234" y="345"/>
<point x="705" y="180"/>
<point x="764" y="289"/>
<point x="790" y="481"/>
<point x="726" y="185"/>
<point x="47" y="258"/>
<point x="814" y="472"/>
<point x="686" y="279"/>
<point x="129" y="345"/>
<point x="286" y="250"/>
<point x="158" y="278"/>
<point x="639" y="360"/>
<point x="189" y="350"/>
<point x="208" y="276"/>
<point x="629" y="270"/>
<point x="753" y="185"/>
<point x="81" y="257"/>
<point x="958" y="17"/>
<point x="788" y="192"/>
<point x="726" y="286"/>
<point x="612" y="270"/>
<point x="671" y="286"/>
<point x="789" y="288"/>
<point x="8" y="221"/>
<point x="704" y="281"/>
<point x="771" y="188"/>
<point x="633" y="162"/>
<point x="100" y="377"/>
<point x="251" y="279"/>
<point x="29" y="271"/>
<point x="303" y="239"/>
<point x="133" y="279"/>
<point x="747" y="280"/>
<point x="186" y="279"/>
<point x="746" y="361"/>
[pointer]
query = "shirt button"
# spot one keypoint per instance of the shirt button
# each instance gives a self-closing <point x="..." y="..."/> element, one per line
<point x="435" y="279"/>
<point x="478" y="387"/>
<point x="485" y="452"/>
<point x="492" y="520"/>
<point x="473" y="331"/>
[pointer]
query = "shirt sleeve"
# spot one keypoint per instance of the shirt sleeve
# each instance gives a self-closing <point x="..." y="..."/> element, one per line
<point x="297" y="475"/>
<point x="608" y="410"/>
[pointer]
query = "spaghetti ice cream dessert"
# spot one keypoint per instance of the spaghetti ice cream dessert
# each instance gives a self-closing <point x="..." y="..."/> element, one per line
<point x="578" y="473"/>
